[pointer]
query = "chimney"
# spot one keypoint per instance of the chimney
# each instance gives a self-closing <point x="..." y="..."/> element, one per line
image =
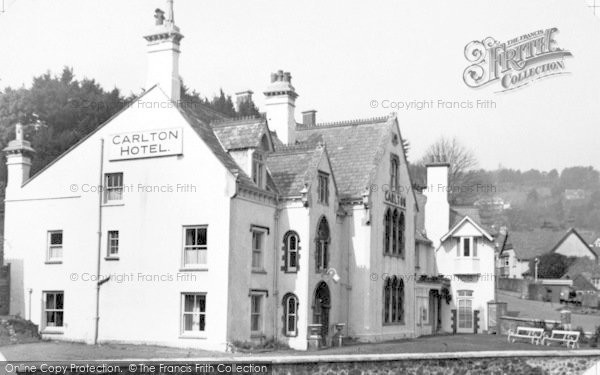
<point x="309" y="118"/>
<point x="18" y="161"/>
<point x="280" y="103"/>
<point x="163" y="53"/>
<point x="437" y="209"/>
<point x="242" y="97"/>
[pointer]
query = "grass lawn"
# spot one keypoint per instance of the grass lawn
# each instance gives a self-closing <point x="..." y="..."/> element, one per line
<point x="48" y="351"/>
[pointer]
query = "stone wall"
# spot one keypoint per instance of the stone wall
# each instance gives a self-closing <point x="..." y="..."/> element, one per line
<point x="514" y="285"/>
<point x="467" y="363"/>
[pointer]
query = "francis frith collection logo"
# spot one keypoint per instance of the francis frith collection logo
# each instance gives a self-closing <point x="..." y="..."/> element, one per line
<point x="514" y="63"/>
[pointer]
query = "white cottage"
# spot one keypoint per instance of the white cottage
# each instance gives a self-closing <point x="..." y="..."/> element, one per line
<point x="465" y="253"/>
<point x="171" y="224"/>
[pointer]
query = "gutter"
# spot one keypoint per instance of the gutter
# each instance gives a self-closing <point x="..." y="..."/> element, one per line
<point x="276" y="274"/>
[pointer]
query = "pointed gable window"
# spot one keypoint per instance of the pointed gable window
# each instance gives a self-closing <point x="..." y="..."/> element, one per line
<point x="401" y="226"/>
<point x="394" y="172"/>
<point x="387" y="228"/>
<point x="258" y="169"/>
<point x="323" y="188"/>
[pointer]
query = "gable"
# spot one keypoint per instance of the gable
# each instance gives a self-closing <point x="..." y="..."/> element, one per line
<point x="573" y="245"/>
<point x="151" y="112"/>
<point x="467" y="228"/>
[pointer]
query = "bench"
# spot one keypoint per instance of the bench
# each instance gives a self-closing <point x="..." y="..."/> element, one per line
<point x="535" y="335"/>
<point x="570" y="338"/>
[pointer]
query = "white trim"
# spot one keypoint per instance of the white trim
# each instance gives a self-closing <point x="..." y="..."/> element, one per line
<point x="467" y="218"/>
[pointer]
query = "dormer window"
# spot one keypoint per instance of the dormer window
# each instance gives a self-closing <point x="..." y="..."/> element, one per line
<point x="323" y="188"/>
<point x="467" y="247"/>
<point x="258" y="169"/>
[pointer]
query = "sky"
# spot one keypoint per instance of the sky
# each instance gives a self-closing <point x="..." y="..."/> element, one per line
<point x="343" y="56"/>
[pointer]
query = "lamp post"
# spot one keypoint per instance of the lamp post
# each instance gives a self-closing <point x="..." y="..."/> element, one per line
<point x="535" y="272"/>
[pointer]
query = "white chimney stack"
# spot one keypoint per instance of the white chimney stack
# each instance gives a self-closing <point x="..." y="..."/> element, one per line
<point x="163" y="53"/>
<point x="18" y="161"/>
<point x="437" y="208"/>
<point x="280" y="102"/>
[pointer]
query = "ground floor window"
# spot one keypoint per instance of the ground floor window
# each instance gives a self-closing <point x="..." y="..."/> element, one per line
<point x="393" y="301"/>
<point x="193" y="318"/>
<point x="290" y="313"/>
<point x="54" y="309"/>
<point x="256" y="317"/>
<point x="465" y="309"/>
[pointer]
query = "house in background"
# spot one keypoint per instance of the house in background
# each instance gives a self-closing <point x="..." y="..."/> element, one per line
<point x="465" y="252"/>
<point x="589" y="271"/>
<point x="524" y="246"/>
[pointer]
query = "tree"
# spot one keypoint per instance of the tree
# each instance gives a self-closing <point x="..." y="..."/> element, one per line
<point x="551" y="265"/>
<point x="461" y="183"/>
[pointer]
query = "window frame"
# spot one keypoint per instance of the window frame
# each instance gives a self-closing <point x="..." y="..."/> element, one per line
<point x="110" y="188"/>
<point x="184" y="247"/>
<point x="323" y="188"/>
<point x="109" y="244"/>
<point x="472" y="240"/>
<point x="394" y="299"/>
<point x="258" y="169"/>
<point x="286" y="315"/>
<point x="45" y="310"/>
<point x="394" y="172"/>
<point x="200" y="313"/>
<point x="261" y="314"/>
<point x="50" y="247"/>
<point x="261" y="252"/>
<point x="465" y="295"/>
<point x="287" y="251"/>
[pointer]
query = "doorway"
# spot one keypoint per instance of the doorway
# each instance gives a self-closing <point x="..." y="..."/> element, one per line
<point x="321" y="306"/>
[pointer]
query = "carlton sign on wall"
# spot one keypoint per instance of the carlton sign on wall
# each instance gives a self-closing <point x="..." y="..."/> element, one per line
<point x="145" y="144"/>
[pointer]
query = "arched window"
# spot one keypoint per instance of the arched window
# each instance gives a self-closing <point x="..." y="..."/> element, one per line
<point x="395" y="232"/>
<point x="401" y="227"/>
<point x="290" y="315"/>
<point x="393" y="301"/>
<point x="394" y="162"/>
<point x="387" y="228"/>
<point x="387" y="298"/>
<point x="291" y="249"/>
<point x="322" y="242"/>
<point x="400" y="301"/>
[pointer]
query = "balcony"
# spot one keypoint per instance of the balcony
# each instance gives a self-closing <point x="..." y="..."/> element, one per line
<point x="466" y="266"/>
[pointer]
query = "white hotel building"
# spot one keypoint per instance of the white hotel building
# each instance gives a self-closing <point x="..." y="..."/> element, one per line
<point x="209" y="230"/>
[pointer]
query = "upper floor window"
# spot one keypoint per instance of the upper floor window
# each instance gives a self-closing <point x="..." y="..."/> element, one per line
<point x="401" y="228"/>
<point x="323" y="188"/>
<point x="387" y="223"/>
<point x="113" y="187"/>
<point x="394" y="172"/>
<point x="258" y="248"/>
<point x="467" y="247"/>
<point x="322" y="239"/>
<point x="291" y="248"/>
<point x="55" y="246"/>
<point x="290" y="313"/>
<point x="195" y="246"/>
<point x="112" y="242"/>
<point x="54" y="309"/>
<point x="258" y="169"/>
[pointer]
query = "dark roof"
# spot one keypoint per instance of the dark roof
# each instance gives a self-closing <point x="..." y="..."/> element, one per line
<point x="195" y="118"/>
<point x="355" y="148"/>
<point x="242" y="133"/>
<point x="293" y="166"/>
<point x="530" y="244"/>
<point x="457" y="213"/>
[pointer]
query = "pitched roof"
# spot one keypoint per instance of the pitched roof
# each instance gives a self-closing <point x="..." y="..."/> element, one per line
<point x="355" y="149"/>
<point x="531" y="244"/>
<point x="457" y="213"/>
<point x="293" y="166"/>
<point x="461" y="222"/>
<point x="240" y="133"/>
<point x="195" y="118"/>
<point x="581" y="282"/>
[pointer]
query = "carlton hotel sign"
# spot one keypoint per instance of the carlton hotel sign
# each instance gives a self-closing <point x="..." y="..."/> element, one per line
<point x="395" y="198"/>
<point x="145" y="144"/>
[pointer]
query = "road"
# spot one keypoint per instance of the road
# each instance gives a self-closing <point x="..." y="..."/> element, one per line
<point x="546" y="310"/>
